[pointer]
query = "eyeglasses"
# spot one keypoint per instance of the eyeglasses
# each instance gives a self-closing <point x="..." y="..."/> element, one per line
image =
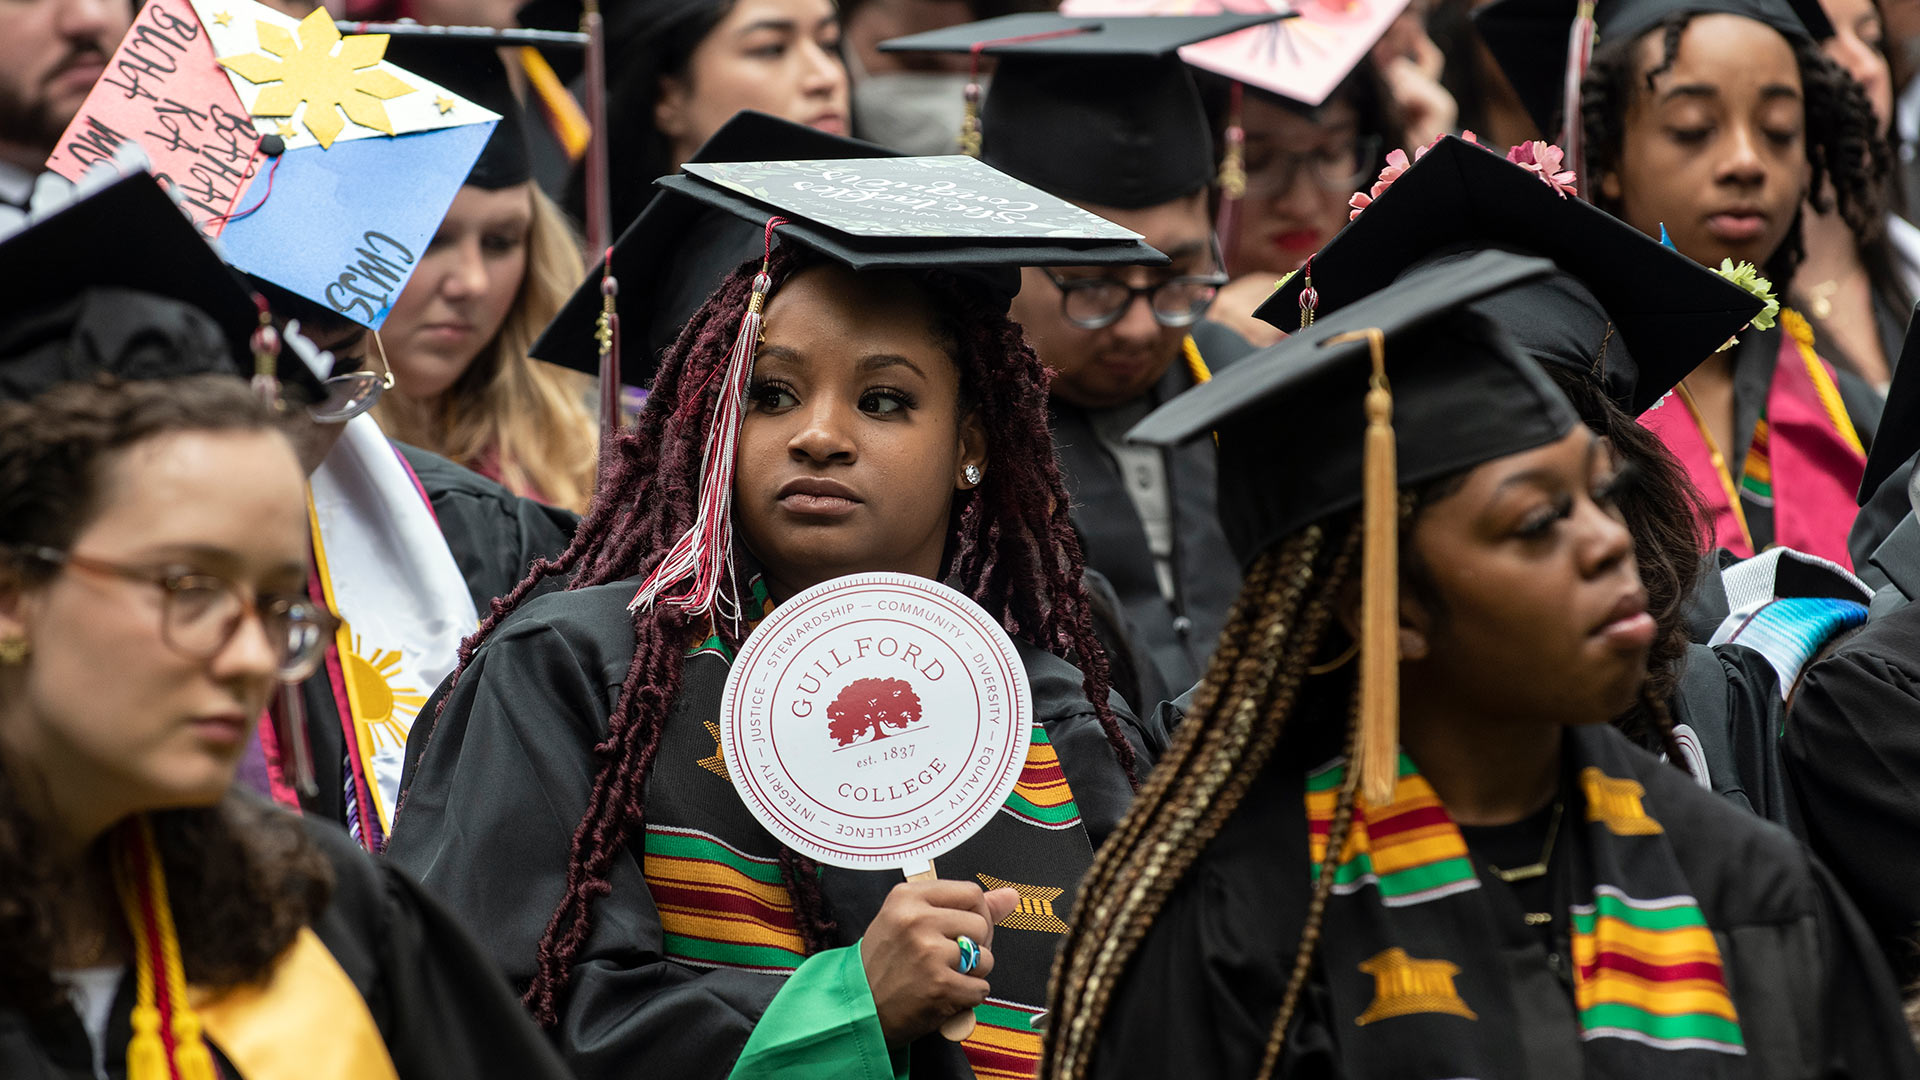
<point x="1097" y="303"/>
<point x="347" y="395"/>
<point x="199" y="613"/>
<point x="1341" y="169"/>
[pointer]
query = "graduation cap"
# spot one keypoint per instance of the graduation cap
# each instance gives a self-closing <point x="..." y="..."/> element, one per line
<point x="847" y="200"/>
<point x="1405" y="387"/>
<point x="1531" y="39"/>
<point x="471" y="67"/>
<point x="1670" y="313"/>
<point x="1898" y="437"/>
<point x="677" y="252"/>
<point x="162" y="306"/>
<point x="315" y="163"/>
<point x="1097" y="110"/>
<point x="1302" y="58"/>
<point x="948" y="214"/>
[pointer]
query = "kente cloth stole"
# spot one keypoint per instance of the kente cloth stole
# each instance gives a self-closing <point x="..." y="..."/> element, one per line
<point x="1803" y="465"/>
<point x="1417" y="953"/>
<point x="723" y="904"/>
<point x="382" y="565"/>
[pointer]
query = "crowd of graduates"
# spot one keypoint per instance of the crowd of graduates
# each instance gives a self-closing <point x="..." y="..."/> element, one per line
<point x="1446" y="470"/>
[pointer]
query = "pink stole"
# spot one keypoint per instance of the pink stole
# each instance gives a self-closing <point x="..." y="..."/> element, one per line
<point x="1805" y="461"/>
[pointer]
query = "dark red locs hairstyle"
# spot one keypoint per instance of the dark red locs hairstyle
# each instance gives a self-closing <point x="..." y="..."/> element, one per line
<point x="1011" y="547"/>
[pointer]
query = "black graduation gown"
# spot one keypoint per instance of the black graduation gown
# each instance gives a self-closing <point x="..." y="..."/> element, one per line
<point x="494" y="536"/>
<point x="1728" y="703"/>
<point x="495" y="790"/>
<point x="440" y="1006"/>
<point x="1198" y="999"/>
<point x="1178" y="635"/>
<point x="1852" y="756"/>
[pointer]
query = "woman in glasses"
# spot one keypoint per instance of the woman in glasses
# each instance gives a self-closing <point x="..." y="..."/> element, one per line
<point x="154" y="924"/>
<point x="1302" y="166"/>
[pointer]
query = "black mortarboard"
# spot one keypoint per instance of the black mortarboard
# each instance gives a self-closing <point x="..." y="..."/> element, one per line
<point x="471" y="68"/>
<point x="1398" y="390"/>
<point x="1670" y="313"/>
<point x="674" y="254"/>
<point x="1097" y="110"/>
<point x="1528" y="38"/>
<point x="1899" y="434"/>
<point x="120" y="283"/>
<point x="951" y="214"/>
<point x="627" y="23"/>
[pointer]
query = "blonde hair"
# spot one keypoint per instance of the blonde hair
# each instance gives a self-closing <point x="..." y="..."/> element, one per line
<point x="529" y="420"/>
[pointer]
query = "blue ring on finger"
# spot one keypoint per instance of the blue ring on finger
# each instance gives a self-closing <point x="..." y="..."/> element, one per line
<point x="969" y="954"/>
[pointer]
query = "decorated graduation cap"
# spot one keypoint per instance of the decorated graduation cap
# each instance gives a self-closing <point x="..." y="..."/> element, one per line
<point x="1624" y="310"/>
<point x="163" y="306"/>
<point x="678" y="251"/>
<point x="1402" y="388"/>
<point x="1097" y="110"/>
<point x="951" y="214"/>
<point x="1543" y="46"/>
<point x="1302" y="58"/>
<point x="313" y="162"/>
<point x="471" y="67"/>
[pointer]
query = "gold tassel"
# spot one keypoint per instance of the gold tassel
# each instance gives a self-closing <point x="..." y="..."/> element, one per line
<point x="142" y="884"/>
<point x="146" y="1054"/>
<point x="970" y="138"/>
<point x="1379" y="750"/>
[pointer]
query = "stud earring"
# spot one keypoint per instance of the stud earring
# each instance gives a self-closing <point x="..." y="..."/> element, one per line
<point x="14" y="649"/>
<point x="972" y="473"/>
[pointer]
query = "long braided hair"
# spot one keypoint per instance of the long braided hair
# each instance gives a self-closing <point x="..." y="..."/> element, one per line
<point x="1253" y="686"/>
<point x="1010" y="547"/>
<point x="1260" y="678"/>
<point x="1843" y="147"/>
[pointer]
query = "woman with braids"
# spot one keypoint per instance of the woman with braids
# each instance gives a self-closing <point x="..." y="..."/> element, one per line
<point x="155" y="923"/>
<point x="1712" y="123"/>
<point x="572" y="797"/>
<point x="1620" y="322"/>
<point x="1398" y="837"/>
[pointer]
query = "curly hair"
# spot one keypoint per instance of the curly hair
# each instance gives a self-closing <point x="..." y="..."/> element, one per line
<point x="1010" y="546"/>
<point x="1847" y="154"/>
<point x="243" y="878"/>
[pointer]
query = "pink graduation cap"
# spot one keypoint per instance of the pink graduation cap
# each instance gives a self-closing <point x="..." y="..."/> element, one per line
<point x="306" y="158"/>
<point x="1302" y="58"/>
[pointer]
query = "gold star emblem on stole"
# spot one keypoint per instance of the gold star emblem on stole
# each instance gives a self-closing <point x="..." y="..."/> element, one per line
<point x="1616" y="804"/>
<point x="1035" y="911"/>
<point x="716" y="763"/>
<point x="1403" y="985"/>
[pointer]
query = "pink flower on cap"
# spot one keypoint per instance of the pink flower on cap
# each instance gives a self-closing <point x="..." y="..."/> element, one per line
<point x="1544" y="160"/>
<point x="1397" y="163"/>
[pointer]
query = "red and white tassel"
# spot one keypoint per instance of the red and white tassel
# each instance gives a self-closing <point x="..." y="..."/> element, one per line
<point x="266" y="354"/>
<point x="1579" y="58"/>
<point x="703" y="556"/>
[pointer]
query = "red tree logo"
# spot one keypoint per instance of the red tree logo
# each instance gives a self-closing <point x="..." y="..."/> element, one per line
<point x="872" y="707"/>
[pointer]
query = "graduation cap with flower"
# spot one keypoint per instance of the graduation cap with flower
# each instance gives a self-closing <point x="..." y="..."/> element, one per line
<point x="311" y="161"/>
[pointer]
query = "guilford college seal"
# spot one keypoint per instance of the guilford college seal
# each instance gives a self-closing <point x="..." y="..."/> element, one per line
<point x="876" y="720"/>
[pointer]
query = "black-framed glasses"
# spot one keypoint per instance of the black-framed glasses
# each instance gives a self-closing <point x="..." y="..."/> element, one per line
<point x="199" y="613"/>
<point x="1340" y="169"/>
<point x="1097" y="303"/>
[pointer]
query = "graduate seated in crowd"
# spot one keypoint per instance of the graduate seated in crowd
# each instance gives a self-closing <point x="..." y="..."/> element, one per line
<point x="1620" y="322"/>
<point x="158" y="922"/>
<point x="570" y="796"/>
<point x="408" y="547"/>
<point x="1398" y="836"/>
<point x="1712" y="122"/>
<point x="677" y="70"/>
<point x="1102" y="112"/>
<point x="502" y="263"/>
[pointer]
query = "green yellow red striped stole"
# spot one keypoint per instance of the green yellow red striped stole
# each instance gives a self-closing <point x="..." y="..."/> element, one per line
<point x="719" y="906"/>
<point x="1649" y="971"/>
<point x="1756" y="476"/>
<point x="1041" y="796"/>
<point x="1004" y="1045"/>
<point x="1408" y="849"/>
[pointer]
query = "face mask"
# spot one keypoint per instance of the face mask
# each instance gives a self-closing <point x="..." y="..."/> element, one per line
<point x="914" y="112"/>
